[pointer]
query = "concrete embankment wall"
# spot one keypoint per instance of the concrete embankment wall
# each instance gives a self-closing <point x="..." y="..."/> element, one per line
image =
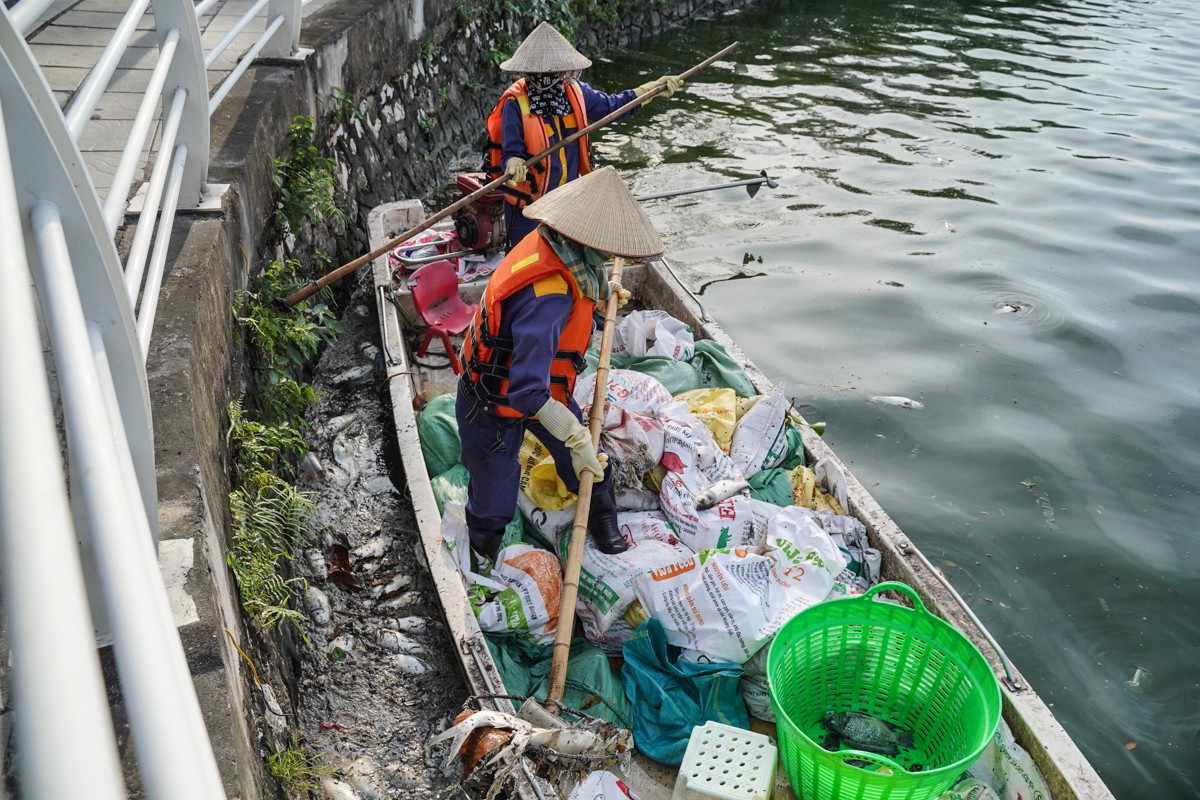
<point x="419" y="76"/>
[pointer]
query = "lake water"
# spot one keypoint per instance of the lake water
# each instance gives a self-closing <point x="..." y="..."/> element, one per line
<point x="992" y="208"/>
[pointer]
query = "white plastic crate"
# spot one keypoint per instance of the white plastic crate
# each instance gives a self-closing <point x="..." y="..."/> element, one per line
<point x="726" y="763"/>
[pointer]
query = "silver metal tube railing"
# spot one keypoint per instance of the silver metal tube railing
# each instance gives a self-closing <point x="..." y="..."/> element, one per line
<point x="58" y="692"/>
<point x="27" y="12"/>
<point x="54" y="223"/>
<point x="81" y="105"/>
<point x="245" y="63"/>
<point x="172" y="745"/>
<point x="118" y="191"/>
<point x="135" y="264"/>
<point x="158" y="261"/>
<point x="233" y="33"/>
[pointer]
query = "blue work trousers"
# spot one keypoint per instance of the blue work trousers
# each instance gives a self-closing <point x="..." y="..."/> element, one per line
<point x="490" y="448"/>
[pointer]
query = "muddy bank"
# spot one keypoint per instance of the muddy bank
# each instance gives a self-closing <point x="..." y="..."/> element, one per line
<point x="381" y="675"/>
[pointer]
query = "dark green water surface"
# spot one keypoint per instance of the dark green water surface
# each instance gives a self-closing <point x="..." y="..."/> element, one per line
<point x="992" y="208"/>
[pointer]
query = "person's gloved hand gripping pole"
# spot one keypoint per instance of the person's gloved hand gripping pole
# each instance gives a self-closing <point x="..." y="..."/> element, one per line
<point x="560" y="422"/>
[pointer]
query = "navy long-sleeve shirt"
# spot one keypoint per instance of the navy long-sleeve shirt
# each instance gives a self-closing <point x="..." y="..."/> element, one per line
<point x="563" y="165"/>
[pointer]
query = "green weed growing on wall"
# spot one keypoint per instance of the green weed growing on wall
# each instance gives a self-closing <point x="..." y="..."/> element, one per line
<point x="298" y="770"/>
<point x="271" y="518"/>
<point x="342" y="107"/>
<point x="283" y="339"/>
<point x="305" y="182"/>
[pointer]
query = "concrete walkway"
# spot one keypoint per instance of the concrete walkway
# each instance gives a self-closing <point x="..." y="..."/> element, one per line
<point x="68" y="40"/>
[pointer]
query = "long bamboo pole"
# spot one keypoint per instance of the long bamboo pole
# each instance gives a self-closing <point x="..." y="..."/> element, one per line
<point x="570" y="590"/>
<point x="333" y="276"/>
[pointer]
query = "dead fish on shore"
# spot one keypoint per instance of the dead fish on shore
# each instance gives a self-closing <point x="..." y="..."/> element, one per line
<point x="721" y="490"/>
<point x="864" y="732"/>
<point x="895" y="400"/>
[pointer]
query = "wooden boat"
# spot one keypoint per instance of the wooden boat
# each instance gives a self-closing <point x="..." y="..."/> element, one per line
<point x="1067" y="771"/>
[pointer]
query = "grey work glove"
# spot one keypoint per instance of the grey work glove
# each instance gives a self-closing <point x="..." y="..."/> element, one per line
<point x="560" y="423"/>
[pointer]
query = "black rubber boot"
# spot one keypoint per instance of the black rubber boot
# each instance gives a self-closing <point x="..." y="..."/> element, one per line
<point x="486" y="544"/>
<point x="602" y="522"/>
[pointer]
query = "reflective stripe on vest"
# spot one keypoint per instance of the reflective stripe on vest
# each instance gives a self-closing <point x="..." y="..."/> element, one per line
<point x="536" y="141"/>
<point x="486" y="355"/>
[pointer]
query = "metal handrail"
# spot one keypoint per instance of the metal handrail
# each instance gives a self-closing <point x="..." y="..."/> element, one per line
<point x="233" y="33"/>
<point x="81" y="105"/>
<point x="60" y="238"/>
<point x="139" y="251"/>
<point x="58" y="690"/>
<point x="244" y="64"/>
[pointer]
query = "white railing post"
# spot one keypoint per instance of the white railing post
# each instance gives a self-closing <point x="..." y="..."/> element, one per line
<point x="286" y="40"/>
<point x="187" y="72"/>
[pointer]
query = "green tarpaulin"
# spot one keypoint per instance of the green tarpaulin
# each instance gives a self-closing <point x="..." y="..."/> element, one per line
<point x="591" y="686"/>
<point x="670" y="697"/>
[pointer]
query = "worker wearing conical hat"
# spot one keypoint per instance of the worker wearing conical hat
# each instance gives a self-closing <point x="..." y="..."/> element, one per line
<point x="526" y="346"/>
<point x="546" y="105"/>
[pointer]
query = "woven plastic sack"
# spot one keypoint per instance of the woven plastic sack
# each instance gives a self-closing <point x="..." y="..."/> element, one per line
<point x="519" y="595"/>
<point x="760" y="440"/>
<point x="437" y="428"/>
<point x="772" y="486"/>
<point x="670" y="697"/>
<point x="606" y="579"/>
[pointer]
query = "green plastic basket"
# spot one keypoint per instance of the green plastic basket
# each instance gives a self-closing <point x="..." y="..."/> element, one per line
<point x="904" y="666"/>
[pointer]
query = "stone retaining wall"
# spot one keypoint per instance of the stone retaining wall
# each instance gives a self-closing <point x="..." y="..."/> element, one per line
<point x="420" y="80"/>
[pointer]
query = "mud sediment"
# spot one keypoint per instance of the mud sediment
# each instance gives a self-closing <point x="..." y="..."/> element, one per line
<point x="381" y="676"/>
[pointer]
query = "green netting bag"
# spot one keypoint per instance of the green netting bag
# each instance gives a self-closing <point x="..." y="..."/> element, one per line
<point x="438" y="429"/>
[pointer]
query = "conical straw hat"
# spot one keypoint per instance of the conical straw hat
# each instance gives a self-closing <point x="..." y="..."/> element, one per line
<point x="546" y="50"/>
<point x="599" y="211"/>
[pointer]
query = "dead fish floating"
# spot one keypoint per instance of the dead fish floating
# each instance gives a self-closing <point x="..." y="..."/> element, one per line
<point x="721" y="490"/>
<point x="864" y="732"/>
<point x="896" y="400"/>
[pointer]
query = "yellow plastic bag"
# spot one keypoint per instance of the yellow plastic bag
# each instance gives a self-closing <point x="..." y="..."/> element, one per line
<point x="744" y="404"/>
<point x="539" y="477"/>
<point x="808" y="495"/>
<point x="717" y="409"/>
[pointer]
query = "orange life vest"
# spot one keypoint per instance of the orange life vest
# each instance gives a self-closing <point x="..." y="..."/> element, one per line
<point x="486" y="356"/>
<point x="537" y="140"/>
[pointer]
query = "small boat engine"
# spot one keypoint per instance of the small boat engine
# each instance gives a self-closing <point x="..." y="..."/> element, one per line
<point x="480" y="226"/>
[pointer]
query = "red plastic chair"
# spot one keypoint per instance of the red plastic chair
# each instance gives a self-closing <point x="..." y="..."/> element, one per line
<point x="435" y="292"/>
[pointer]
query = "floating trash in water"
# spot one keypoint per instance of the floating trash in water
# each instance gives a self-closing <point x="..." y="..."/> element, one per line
<point x="949" y="227"/>
<point x="1140" y="681"/>
<point x="896" y="400"/>
<point x="1043" y="500"/>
